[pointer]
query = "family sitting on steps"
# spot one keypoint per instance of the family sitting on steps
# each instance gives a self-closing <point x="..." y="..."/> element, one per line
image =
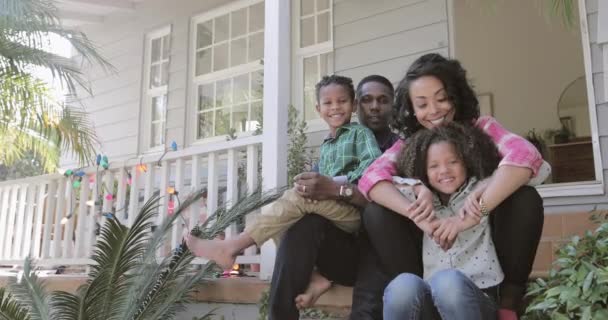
<point x="425" y="208"/>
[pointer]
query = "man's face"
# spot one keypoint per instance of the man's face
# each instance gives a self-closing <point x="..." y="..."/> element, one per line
<point x="375" y="105"/>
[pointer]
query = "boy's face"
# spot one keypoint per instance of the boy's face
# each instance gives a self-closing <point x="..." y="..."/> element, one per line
<point x="335" y="106"/>
<point x="375" y="104"/>
<point x="445" y="169"/>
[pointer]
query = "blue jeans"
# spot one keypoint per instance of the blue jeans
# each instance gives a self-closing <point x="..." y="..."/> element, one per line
<point x="448" y="294"/>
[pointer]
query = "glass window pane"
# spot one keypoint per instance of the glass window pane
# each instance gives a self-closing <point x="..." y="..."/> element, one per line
<point x="311" y="75"/>
<point x="155" y="76"/>
<point x="256" y="47"/>
<point x="239" y="23"/>
<point x="256" y="17"/>
<point x="158" y="107"/>
<point x="205" y="96"/>
<point x="257" y="114"/>
<point x="220" y="57"/>
<point x="221" y="28"/>
<point x="155" y="50"/>
<point x="307" y="32"/>
<point x="203" y="62"/>
<point x="310" y="112"/>
<point x="204" y="34"/>
<point x="307" y="7"/>
<point x="238" y="52"/>
<point x="327" y="64"/>
<point x="257" y="85"/>
<point x="156" y="134"/>
<point x="223" y="93"/>
<point x="205" y="125"/>
<point x="222" y="121"/>
<point x="166" y="46"/>
<point x="164" y="76"/>
<point x="239" y="117"/>
<point x="241" y="89"/>
<point x="323" y="31"/>
<point x="322" y="5"/>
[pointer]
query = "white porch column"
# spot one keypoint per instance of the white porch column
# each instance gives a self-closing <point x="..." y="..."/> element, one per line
<point x="277" y="32"/>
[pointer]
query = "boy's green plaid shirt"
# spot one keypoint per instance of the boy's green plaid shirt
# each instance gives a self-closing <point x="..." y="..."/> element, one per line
<point x="349" y="153"/>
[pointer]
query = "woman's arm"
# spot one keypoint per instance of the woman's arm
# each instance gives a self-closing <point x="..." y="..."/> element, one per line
<point x="505" y="181"/>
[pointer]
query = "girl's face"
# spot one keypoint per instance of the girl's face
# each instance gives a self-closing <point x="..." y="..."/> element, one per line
<point x="335" y="106"/>
<point x="430" y="100"/>
<point x="445" y="168"/>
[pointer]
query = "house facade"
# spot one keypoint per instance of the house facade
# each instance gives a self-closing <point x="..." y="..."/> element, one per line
<point x="200" y="94"/>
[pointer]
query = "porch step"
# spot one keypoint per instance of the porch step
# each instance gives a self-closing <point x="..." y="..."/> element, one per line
<point x="224" y="290"/>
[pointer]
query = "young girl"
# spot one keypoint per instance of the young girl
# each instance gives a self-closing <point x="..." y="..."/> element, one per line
<point x="460" y="282"/>
<point x="348" y="150"/>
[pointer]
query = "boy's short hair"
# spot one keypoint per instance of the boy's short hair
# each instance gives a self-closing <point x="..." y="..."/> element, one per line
<point x="476" y="149"/>
<point x="346" y="82"/>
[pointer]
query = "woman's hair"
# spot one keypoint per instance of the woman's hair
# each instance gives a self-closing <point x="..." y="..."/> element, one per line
<point x="473" y="146"/>
<point x="345" y="82"/>
<point x="374" y="78"/>
<point x="454" y="79"/>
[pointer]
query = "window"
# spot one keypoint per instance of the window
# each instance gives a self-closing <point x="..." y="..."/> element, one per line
<point x="158" y="48"/>
<point x="314" y="51"/>
<point x="227" y="75"/>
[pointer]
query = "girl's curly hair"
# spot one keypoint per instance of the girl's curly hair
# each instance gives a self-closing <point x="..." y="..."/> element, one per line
<point x="454" y="79"/>
<point x="473" y="146"/>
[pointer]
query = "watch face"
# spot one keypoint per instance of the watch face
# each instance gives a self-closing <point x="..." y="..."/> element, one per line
<point x="348" y="192"/>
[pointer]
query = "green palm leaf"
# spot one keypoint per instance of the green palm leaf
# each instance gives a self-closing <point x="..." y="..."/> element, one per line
<point x="10" y="308"/>
<point x="30" y="292"/>
<point x="64" y="305"/>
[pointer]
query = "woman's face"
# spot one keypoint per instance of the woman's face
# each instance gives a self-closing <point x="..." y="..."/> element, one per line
<point x="430" y="101"/>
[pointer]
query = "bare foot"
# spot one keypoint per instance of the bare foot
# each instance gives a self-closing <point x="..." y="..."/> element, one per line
<point x="317" y="286"/>
<point x="219" y="251"/>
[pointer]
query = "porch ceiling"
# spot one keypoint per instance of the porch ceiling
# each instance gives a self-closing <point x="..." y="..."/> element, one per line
<point x="81" y="12"/>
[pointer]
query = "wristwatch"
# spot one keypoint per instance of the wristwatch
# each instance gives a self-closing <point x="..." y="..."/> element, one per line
<point x="346" y="191"/>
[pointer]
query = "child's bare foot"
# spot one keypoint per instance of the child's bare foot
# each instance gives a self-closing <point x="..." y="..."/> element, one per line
<point x="317" y="286"/>
<point x="219" y="251"/>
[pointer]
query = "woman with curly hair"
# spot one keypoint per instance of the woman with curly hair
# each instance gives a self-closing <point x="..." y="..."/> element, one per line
<point x="434" y="92"/>
<point x="460" y="282"/>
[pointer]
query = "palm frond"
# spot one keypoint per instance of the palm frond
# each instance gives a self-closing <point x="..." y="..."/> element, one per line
<point x="64" y="305"/>
<point x="10" y="308"/>
<point x="117" y="254"/>
<point x="31" y="293"/>
<point x="223" y="217"/>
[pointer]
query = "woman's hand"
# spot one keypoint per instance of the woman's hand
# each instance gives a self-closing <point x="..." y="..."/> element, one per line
<point x="447" y="230"/>
<point x="471" y="203"/>
<point x="315" y="186"/>
<point x="422" y="208"/>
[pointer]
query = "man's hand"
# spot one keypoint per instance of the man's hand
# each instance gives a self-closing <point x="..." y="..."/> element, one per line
<point x="315" y="186"/>
<point x="422" y="208"/>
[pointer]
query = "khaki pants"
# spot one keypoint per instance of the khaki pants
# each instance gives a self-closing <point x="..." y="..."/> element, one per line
<point x="291" y="207"/>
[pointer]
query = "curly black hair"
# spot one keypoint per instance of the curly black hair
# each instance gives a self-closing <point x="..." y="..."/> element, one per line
<point x="453" y="77"/>
<point x="346" y="82"/>
<point x="473" y="146"/>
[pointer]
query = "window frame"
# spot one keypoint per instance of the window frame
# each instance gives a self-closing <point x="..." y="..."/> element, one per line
<point x="213" y="76"/>
<point x="148" y="93"/>
<point x="583" y="188"/>
<point x="302" y="53"/>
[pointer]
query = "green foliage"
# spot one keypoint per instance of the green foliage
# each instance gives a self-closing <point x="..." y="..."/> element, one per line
<point x="298" y="160"/>
<point x="126" y="281"/>
<point x="577" y="287"/>
<point x="31" y="119"/>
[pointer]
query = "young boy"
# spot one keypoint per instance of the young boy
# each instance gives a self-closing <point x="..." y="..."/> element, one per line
<point x="348" y="150"/>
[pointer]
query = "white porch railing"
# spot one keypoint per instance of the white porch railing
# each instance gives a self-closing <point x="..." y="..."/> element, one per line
<point x="55" y="220"/>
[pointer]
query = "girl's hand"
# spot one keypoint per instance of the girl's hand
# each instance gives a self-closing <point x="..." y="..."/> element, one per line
<point x="315" y="186"/>
<point x="422" y="208"/>
<point x="446" y="232"/>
